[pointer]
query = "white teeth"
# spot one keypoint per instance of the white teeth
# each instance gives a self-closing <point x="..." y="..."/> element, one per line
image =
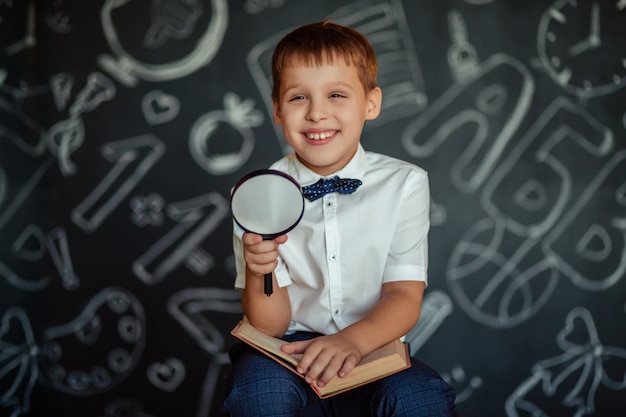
<point x="317" y="136"/>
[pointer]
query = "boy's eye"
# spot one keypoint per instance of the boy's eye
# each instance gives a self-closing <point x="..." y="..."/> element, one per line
<point x="337" y="95"/>
<point x="296" y="98"/>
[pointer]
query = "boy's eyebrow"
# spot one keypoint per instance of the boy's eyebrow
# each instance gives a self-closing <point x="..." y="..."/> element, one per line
<point x="332" y="84"/>
<point x="341" y="84"/>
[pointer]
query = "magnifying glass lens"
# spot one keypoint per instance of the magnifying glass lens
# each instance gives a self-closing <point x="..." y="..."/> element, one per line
<point x="268" y="203"/>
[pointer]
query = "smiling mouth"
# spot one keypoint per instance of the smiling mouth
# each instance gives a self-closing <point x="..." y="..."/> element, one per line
<point x="321" y="135"/>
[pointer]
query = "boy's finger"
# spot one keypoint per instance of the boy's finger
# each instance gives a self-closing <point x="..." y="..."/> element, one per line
<point x="295" y="347"/>
<point x="348" y="365"/>
<point x="251" y="238"/>
<point x="281" y="239"/>
<point x="309" y="357"/>
<point x="331" y="371"/>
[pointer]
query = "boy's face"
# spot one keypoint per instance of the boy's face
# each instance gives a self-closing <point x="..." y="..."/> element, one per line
<point x="322" y="111"/>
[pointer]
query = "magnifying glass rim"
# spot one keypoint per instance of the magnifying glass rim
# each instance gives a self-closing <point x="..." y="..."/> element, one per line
<point x="265" y="172"/>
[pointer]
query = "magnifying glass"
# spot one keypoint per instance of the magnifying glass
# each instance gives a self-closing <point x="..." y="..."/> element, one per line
<point x="269" y="203"/>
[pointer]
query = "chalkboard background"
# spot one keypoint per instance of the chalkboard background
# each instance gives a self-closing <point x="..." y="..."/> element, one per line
<point x="124" y="123"/>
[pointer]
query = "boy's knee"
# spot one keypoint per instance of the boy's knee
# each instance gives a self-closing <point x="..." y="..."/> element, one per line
<point x="278" y="397"/>
<point x="418" y="392"/>
<point x="259" y="386"/>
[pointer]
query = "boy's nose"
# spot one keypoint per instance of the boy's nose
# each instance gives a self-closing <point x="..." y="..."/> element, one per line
<point x="317" y="111"/>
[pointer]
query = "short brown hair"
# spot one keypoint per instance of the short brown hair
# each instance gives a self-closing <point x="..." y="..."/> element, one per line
<point x="321" y="42"/>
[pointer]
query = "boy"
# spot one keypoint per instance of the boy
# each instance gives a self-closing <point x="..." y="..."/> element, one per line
<point x="351" y="275"/>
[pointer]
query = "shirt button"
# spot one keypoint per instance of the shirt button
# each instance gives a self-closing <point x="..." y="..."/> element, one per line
<point x="332" y="258"/>
<point x="336" y="311"/>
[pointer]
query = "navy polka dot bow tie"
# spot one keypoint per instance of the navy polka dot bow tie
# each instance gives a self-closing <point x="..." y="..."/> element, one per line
<point x="324" y="186"/>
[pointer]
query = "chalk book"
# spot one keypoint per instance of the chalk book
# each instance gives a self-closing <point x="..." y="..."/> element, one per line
<point x="387" y="360"/>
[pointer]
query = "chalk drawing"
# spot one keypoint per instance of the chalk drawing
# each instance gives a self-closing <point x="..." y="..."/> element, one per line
<point x="171" y="19"/>
<point x="571" y="34"/>
<point x="238" y="117"/>
<point x="159" y="107"/>
<point x="66" y="136"/>
<point x="464" y="386"/>
<point x="61" y="86"/>
<point x="98" y="349"/>
<point x="18" y="359"/>
<point x="59" y="22"/>
<point x="592" y="254"/>
<point x="195" y="220"/>
<point x="133" y="158"/>
<point x="190" y="308"/>
<point x="99" y="88"/>
<point x="484" y="114"/>
<point x="575" y="376"/>
<point x="63" y="138"/>
<point x="16" y="200"/>
<point x="436" y="306"/>
<point x="188" y="305"/>
<point x="462" y="56"/>
<point x="127" y="68"/>
<point x="29" y="39"/>
<point x="498" y="279"/>
<point x="91" y="354"/>
<point x="29" y="245"/>
<point x="515" y="190"/>
<point x="147" y="210"/>
<point x="438" y="213"/>
<point x="505" y="268"/>
<point x="168" y="375"/>
<point x="59" y="249"/>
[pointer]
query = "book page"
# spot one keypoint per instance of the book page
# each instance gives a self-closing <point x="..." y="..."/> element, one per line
<point x="386" y="360"/>
<point x="271" y="344"/>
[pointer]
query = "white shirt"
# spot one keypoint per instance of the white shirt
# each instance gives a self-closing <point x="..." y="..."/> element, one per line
<point x="347" y="246"/>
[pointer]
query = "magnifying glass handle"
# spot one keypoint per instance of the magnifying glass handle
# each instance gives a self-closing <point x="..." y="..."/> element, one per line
<point x="268" y="284"/>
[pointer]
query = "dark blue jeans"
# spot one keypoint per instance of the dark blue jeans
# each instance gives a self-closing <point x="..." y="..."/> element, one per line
<point x="258" y="386"/>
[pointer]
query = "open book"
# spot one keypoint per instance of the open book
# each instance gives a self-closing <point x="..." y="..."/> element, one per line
<point x="382" y="362"/>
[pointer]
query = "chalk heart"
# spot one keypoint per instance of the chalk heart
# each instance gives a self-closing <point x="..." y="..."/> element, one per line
<point x="167" y="376"/>
<point x="159" y="107"/>
<point x="579" y="329"/>
<point x="15" y="330"/>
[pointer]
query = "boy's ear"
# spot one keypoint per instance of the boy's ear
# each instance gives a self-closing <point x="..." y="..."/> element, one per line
<point x="276" y="113"/>
<point x="374" y="103"/>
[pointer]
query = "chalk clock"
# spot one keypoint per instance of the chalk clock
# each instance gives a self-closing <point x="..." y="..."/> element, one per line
<point x="582" y="45"/>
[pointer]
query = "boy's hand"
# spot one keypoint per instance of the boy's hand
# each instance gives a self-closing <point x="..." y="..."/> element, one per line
<point x="324" y="357"/>
<point x="261" y="255"/>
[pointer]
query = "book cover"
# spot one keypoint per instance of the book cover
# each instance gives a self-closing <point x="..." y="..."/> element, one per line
<point x="388" y="359"/>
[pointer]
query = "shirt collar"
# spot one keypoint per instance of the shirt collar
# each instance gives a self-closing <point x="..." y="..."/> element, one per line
<point x="354" y="169"/>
